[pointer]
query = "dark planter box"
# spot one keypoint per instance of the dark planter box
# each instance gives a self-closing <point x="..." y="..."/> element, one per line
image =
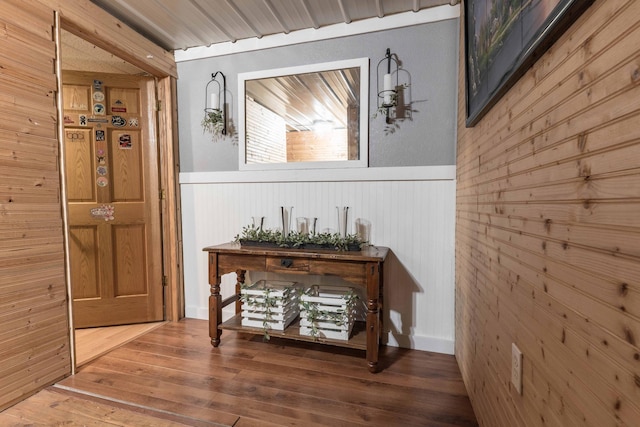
<point x="307" y="246"/>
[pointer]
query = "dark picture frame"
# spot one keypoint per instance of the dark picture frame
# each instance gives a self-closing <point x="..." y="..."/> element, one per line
<point x="503" y="39"/>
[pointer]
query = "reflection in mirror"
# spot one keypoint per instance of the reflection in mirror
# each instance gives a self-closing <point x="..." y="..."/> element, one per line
<point x="309" y="116"/>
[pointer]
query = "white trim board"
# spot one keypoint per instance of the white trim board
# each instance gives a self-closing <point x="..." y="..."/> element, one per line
<point x="432" y="14"/>
<point x="401" y="173"/>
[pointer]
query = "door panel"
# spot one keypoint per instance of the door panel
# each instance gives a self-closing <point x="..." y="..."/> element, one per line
<point x="129" y="260"/>
<point x="84" y="275"/>
<point x="113" y="199"/>
<point x="78" y="158"/>
<point x="126" y="154"/>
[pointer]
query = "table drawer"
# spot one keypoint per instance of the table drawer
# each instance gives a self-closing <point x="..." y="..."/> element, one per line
<point x="228" y="263"/>
<point x="353" y="272"/>
<point x="287" y="265"/>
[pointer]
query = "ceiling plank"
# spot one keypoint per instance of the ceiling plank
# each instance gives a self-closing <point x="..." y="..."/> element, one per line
<point x="276" y="15"/>
<point x="213" y="21"/>
<point x="244" y="19"/>
<point x="314" y="21"/>
<point x="345" y="14"/>
<point x="380" y="9"/>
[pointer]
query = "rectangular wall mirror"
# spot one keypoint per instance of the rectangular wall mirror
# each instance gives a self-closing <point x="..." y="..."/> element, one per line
<point x="311" y="116"/>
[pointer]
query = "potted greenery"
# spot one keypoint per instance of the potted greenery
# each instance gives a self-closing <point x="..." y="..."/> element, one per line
<point x="254" y="236"/>
<point x="213" y="123"/>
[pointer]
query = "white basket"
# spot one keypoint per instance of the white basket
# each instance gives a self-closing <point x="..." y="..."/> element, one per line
<point x="282" y="311"/>
<point x="263" y="314"/>
<point x="280" y="307"/>
<point x="335" y="301"/>
<point x="277" y="325"/>
<point x="329" y="325"/>
<point x="326" y="333"/>
<point x="273" y="288"/>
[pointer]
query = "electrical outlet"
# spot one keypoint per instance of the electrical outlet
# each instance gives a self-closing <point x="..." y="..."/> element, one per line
<point x="516" y="367"/>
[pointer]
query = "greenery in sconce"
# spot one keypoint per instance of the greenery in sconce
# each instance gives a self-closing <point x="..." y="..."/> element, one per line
<point x="402" y="112"/>
<point x="213" y="123"/>
<point x="252" y="234"/>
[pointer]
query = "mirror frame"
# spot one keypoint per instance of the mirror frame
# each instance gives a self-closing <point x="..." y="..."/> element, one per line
<point x="363" y="143"/>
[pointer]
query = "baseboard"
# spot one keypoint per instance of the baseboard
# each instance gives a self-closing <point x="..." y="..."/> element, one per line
<point x="423" y="343"/>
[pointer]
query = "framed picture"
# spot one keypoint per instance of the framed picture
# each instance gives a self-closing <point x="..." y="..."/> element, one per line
<point x="503" y="38"/>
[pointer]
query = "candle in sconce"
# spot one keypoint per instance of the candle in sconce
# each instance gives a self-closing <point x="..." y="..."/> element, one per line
<point x="215" y="101"/>
<point x="387" y="89"/>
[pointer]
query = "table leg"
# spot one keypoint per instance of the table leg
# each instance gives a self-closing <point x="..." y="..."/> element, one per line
<point x="239" y="282"/>
<point x="215" y="313"/>
<point x="373" y="316"/>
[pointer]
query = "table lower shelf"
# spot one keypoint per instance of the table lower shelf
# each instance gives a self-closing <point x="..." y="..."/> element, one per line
<point x="358" y="338"/>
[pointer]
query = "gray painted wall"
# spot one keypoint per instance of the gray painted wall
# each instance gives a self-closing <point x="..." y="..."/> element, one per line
<point x="428" y="55"/>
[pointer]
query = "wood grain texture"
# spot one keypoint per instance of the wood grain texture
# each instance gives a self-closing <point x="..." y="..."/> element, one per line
<point x="173" y="370"/>
<point x="88" y="21"/>
<point x="92" y="343"/>
<point x="34" y="334"/>
<point x="70" y="408"/>
<point x="548" y="234"/>
<point x="34" y="341"/>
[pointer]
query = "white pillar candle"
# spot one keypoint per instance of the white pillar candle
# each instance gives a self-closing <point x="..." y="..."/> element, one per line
<point x="215" y="101"/>
<point x="387" y="89"/>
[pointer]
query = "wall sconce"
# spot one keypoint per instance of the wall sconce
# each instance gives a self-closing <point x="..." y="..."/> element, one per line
<point x="215" y="113"/>
<point x="388" y="96"/>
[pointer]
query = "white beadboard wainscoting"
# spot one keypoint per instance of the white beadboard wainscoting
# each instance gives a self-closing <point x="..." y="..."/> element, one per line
<point x="411" y="209"/>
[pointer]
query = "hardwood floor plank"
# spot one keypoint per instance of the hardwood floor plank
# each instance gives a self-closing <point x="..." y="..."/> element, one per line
<point x="92" y="343"/>
<point x="173" y="371"/>
<point x="152" y="396"/>
<point x="54" y="407"/>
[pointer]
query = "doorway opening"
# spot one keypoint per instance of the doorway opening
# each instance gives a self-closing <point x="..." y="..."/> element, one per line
<point x="111" y="171"/>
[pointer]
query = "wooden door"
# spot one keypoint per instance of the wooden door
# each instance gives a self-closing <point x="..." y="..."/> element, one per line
<point x="111" y="163"/>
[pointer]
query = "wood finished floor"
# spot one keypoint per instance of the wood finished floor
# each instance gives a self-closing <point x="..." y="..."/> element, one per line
<point x="172" y="376"/>
<point x="92" y="343"/>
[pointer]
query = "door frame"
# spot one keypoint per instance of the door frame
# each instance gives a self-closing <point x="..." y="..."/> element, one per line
<point x="93" y="24"/>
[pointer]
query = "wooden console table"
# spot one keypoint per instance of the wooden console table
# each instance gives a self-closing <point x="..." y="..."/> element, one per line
<point x="361" y="268"/>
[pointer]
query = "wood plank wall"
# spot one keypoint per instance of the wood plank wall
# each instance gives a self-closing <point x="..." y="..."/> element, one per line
<point x="548" y="233"/>
<point x="34" y="324"/>
<point x="34" y="334"/>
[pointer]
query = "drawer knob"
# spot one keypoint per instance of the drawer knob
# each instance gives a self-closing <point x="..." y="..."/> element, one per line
<point x="286" y="262"/>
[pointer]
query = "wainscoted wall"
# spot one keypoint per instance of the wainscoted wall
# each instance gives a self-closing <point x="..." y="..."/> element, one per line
<point x="411" y="210"/>
<point x="548" y="234"/>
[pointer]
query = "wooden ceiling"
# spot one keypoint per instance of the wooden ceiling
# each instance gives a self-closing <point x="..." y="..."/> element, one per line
<point x="181" y="24"/>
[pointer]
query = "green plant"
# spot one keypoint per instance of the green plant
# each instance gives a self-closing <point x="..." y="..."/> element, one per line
<point x="251" y="233"/>
<point x="257" y="234"/>
<point x="213" y="122"/>
<point x="395" y="114"/>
